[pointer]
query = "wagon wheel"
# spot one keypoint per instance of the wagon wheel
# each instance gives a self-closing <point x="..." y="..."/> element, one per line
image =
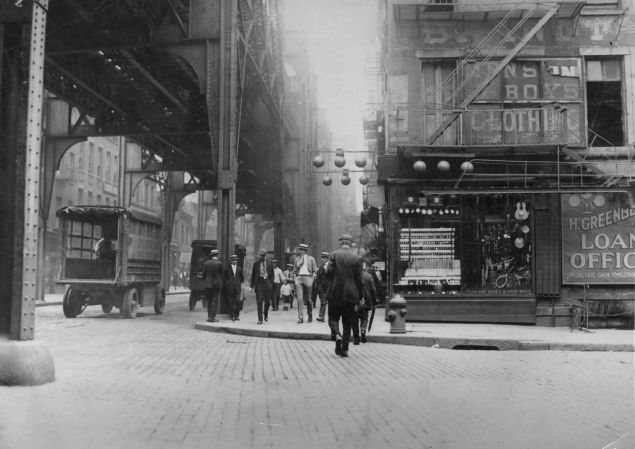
<point x="72" y="304"/>
<point x="193" y="297"/>
<point x="107" y="308"/>
<point x="159" y="301"/>
<point x="130" y="303"/>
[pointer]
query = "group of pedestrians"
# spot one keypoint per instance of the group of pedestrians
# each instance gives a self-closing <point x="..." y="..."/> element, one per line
<point x="227" y="279"/>
<point x="342" y="280"/>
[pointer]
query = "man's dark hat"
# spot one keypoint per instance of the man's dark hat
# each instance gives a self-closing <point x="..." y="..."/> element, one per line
<point x="233" y="257"/>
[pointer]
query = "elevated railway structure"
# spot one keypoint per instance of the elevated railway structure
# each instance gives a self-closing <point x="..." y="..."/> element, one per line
<point x="193" y="86"/>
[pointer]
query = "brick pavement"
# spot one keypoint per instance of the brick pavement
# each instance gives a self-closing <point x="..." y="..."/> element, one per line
<point x="155" y="382"/>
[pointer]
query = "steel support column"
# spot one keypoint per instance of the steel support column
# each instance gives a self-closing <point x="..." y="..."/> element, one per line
<point x="227" y="139"/>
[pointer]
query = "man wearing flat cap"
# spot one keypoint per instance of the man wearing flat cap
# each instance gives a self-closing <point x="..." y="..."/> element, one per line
<point x="213" y="278"/>
<point x="261" y="276"/>
<point x="305" y="270"/>
<point x="344" y="270"/>
<point x="321" y="285"/>
<point x="232" y="282"/>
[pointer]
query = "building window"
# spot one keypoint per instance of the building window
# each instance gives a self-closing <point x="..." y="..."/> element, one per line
<point x="605" y="109"/>
<point x="71" y="160"/>
<point x="80" y="196"/>
<point x="100" y="161"/>
<point x="90" y="197"/>
<point x="99" y="199"/>
<point x="108" y="165"/>
<point x="91" y="157"/>
<point x="115" y="170"/>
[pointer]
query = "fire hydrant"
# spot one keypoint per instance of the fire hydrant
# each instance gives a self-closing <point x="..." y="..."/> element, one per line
<point x="397" y="314"/>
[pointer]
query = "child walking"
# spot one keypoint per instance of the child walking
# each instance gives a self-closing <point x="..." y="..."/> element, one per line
<point x="286" y="291"/>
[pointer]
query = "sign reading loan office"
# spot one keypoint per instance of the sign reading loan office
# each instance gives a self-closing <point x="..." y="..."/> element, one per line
<point x="598" y="239"/>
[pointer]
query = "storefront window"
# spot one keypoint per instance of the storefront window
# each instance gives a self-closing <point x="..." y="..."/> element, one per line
<point x="464" y="244"/>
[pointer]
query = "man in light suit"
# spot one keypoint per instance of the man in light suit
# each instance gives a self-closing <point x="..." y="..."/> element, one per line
<point x="305" y="270"/>
<point x="232" y="281"/>
<point x="213" y="276"/>
<point x="261" y="275"/>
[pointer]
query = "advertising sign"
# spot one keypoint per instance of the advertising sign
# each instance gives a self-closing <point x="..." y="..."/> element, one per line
<point x="598" y="239"/>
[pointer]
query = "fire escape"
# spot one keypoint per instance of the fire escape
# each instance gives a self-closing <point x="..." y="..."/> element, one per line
<point x="509" y="30"/>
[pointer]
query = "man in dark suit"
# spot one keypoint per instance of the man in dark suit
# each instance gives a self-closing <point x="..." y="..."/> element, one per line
<point x="321" y="286"/>
<point x="261" y="276"/>
<point x="232" y="281"/>
<point x="213" y="277"/>
<point x="344" y="270"/>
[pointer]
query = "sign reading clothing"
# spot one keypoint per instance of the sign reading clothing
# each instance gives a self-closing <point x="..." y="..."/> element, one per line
<point x="598" y="239"/>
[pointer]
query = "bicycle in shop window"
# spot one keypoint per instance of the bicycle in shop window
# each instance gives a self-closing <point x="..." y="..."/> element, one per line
<point x="514" y="276"/>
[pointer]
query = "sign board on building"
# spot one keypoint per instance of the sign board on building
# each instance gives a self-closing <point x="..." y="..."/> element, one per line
<point x="598" y="239"/>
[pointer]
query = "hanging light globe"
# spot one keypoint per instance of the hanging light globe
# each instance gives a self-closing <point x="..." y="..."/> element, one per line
<point x="318" y="161"/>
<point x="339" y="161"/>
<point x="363" y="180"/>
<point x="443" y="166"/>
<point x="327" y="180"/>
<point x="360" y="162"/>
<point x="346" y="180"/>
<point x="467" y="167"/>
<point x="419" y="166"/>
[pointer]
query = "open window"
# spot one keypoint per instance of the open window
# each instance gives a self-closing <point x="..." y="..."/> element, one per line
<point x="605" y="110"/>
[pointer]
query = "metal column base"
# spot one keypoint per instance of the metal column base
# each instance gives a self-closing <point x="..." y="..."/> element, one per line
<point x="25" y="363"/>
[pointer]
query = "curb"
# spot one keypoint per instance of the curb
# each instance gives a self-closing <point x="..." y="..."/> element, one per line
<point x="432" y="342"/>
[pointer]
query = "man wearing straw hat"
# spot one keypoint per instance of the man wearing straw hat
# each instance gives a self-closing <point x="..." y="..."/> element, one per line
<point x="305" y="270"/>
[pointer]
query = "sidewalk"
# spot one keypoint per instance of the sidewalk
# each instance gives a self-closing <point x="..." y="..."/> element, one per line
<point x="283" y="324"/>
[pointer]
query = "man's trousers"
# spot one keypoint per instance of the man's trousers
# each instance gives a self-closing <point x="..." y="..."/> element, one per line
<point x="263" y="296"/>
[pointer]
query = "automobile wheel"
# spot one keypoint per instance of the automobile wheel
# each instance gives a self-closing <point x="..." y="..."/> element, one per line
<point x="73" y="303"/>
<point x="107" y="308"/>
<point x="130" y="303"/>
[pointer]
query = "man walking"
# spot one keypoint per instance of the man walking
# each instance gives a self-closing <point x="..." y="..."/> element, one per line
<point x="233" y="279"/>
<point x="278" y="280"/>
<point x="321" y="285"/>
<point x="213" y="276"/>
<point x="261" y="275"/>
<point x="369" y="296"/>
<point x="344" y="270"/>
<point x="305" y="269"/>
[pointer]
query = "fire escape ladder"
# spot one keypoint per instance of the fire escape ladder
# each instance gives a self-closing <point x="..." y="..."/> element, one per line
<point x="493" y="43"/>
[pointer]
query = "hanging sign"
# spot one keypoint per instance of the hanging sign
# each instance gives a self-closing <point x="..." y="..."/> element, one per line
<point x="598" y="239"/>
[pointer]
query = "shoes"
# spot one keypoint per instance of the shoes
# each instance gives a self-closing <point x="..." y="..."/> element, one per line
<point x="259" y="322"/>
<point x="266" y="318"/>
<point x="363" y="338"/>
<point x="300" y="321"/>
<point x="320" y="319"/>
<point x="338" y="346"/>
<point x="237" y="319"/>
<point x="344" y="354"/>
<point x="212" y="320"/>
<point x="310" y="319"/>
<point x="355" y="340"/>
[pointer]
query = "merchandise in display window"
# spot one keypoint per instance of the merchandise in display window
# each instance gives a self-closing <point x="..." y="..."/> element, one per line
<point x="448" y="245"/>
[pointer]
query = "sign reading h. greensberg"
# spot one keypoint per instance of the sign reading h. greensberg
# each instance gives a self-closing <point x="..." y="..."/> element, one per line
<point x="598" y="239"/>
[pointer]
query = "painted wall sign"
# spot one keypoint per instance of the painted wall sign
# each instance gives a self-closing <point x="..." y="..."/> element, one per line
<point x="598" y="239"/>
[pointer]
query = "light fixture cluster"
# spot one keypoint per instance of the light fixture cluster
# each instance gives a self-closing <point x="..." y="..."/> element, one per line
<point x="340" y="161"/>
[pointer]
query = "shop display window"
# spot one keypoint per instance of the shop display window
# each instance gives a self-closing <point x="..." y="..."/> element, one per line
<point x="464" y="244"/>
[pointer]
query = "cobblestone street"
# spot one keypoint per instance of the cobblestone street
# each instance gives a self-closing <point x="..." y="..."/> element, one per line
<point x="155" y="382"/>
